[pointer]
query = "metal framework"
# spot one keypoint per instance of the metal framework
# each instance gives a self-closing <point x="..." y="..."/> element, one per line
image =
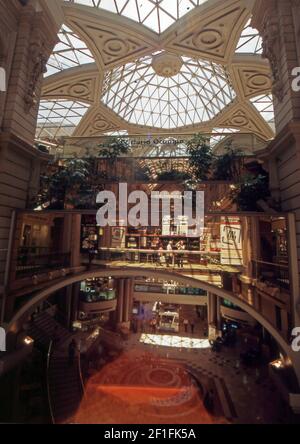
<point x="157" y="15"/>
<point x="103" y="67"/>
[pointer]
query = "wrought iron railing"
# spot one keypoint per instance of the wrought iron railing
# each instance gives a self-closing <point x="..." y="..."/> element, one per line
<point x="29" y="264"/>
<point x="272" y="275"/>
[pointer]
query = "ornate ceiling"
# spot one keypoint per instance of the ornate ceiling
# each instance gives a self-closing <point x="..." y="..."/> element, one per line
<point x="151" y="66"/>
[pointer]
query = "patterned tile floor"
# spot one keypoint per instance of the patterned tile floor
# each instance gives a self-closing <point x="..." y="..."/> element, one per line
<point x="254" y="398"/>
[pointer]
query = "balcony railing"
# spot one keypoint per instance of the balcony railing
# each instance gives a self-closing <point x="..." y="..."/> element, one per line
<point x="169" y="289"/>
<point x="272" y="277"/>
<point x="29" y="264"/>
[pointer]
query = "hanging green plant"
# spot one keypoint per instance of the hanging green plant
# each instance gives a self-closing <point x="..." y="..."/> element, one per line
<point x="200" y="157"/>
<point x="228" y="166"/>
<point x="116" y="147"/>
<point x="70" y="184"/>
<point x="251" y="190"/>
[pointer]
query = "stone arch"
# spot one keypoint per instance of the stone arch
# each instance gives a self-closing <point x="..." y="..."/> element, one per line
<point x="28" y="308"/>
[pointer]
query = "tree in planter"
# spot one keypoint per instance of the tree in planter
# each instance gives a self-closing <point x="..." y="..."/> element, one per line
<point x="115" y="148"/>
<point x="200" y="156"/>
<point x="228" y="166"/>
<point x="251" y="190"/>
<point x="71" y="184"/>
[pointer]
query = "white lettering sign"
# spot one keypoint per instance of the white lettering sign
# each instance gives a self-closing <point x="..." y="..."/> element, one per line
<point x="2" y="80"/>
<point x="2" y="340"/>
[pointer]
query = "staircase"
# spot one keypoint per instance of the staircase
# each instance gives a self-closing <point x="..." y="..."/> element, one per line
<point x="65" y="388"/>
<point x="43" y="329"/>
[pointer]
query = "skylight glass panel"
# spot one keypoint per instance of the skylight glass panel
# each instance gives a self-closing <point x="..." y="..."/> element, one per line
<point x="69" y="52"/>
<point x="265" y="106"/>
<point x="250" y="41"/>
<point x="219" y="134"/>
<point x="141" y="96"/>
<point x="57" y="118"/>
<point x="157" y="15"/>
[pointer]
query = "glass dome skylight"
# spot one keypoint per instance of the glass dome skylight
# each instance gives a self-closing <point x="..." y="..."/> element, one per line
<point x="157" y="15"/>
<point x="69" y="52"/>
<point x="195" y="95"/>
<point x="265" y="106"/>
<point x="250" y="41"/>
<point x="57" y="118"/>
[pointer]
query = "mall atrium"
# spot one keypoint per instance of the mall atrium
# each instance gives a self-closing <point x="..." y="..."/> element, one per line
<point x="125" y="110"/>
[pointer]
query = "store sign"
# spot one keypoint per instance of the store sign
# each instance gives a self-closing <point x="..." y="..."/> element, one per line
<point x="151" y="141"/>
<point x="231" y="242"/>
<point x="2" y="340"/>
<point x="2" y="80"/>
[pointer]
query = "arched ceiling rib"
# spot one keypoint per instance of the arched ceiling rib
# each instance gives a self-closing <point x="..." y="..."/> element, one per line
<point x="208" y="34"/>
<point x="155" y="15"/>
<point x="81" y="83"/>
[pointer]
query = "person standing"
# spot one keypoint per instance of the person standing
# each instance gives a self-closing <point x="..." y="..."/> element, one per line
<point x="192" y="324"/>
<point x="181" y="247"/>
<point x="185" y="324"/>
<point x="169" y="253"/>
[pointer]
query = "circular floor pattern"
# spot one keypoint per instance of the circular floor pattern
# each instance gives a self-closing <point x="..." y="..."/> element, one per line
<point x="142" y="390"/>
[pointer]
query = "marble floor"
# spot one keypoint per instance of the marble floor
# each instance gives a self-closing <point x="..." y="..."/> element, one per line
<point x="246" y="395"/>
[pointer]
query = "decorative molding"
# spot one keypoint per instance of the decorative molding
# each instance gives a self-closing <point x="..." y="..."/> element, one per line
<point x="81" y="83"/>
<point x="214" y="35"/>
<point x="110" y="44"/>
<point x="251" y="76"/>
<point x="96" y="122"/>
<point x="244" y="117"/>
<point x="166" y="64"/>
<point x="37" y="62"/>
<point x="210" y="32"/>
<point x="272" y="51"/>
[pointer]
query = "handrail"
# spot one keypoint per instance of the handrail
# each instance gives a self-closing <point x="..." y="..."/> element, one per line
<point x="57" y="310"/>
<point x="82" y="386"/>
<point x="48" y="384"/>
<point x="274" y="264"/>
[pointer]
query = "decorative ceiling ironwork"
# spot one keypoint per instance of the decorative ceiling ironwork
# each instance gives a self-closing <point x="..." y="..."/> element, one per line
<point x="142" y="97"/>
<point x="199" y="70"/>
<point x="158" y="15"/>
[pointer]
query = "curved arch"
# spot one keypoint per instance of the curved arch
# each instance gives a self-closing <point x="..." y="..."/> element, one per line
<point x="164" y="275"/>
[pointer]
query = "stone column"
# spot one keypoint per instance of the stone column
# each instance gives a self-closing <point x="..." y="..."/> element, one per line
<point x="27" y="36"/>
<point x="75" y="241"/>
<point x="75" y="302"/>
<point x="218" y="314"/>
<point x="278" y="21"/>
<point x="214" y="315"/>
<point x="120" y="304"/>
<point x="128" y="294"/>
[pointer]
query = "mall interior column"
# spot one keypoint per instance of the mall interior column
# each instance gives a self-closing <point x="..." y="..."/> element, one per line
<point x="28" y="35"/>
<point x="214" y="311"/>
<point x="120" y="295"/>
<point x="278" y="21"/>
<point x="128" y="295"/>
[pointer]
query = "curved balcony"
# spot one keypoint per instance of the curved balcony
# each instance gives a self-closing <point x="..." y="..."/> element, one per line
<point x="98" y="307"/>
<point x="98" y="302"/>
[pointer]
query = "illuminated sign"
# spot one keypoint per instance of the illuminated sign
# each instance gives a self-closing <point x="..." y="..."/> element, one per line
<point x="231" y="242"/>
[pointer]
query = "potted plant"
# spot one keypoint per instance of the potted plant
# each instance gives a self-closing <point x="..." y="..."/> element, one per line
<point x="116" y="147"/>
<point x="200" y="157"/>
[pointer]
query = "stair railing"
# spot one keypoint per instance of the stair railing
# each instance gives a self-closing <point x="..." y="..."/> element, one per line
<point x="49" y="354"/>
